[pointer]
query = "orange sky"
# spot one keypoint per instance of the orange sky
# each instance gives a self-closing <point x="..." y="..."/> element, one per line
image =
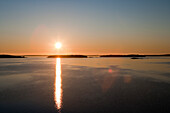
<point x="84" y="27"/>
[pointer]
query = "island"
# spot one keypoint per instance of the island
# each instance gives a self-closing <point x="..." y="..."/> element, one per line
<point x="67" y="56"/>
<point x="131" y="55"/>
<point x="11" y="56"/>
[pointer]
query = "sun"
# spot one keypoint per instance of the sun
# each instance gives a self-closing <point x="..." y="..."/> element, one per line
<point x="58" y="45"/>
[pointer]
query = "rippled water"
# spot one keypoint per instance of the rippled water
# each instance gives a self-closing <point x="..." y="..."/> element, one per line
<point x="85" y="85"/>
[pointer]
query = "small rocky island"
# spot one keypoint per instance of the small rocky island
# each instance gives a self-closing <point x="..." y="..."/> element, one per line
<point x="11" y="56"/>
<point x="67" y="56"/>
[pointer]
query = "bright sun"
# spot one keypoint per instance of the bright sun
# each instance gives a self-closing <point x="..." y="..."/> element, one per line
<point x="58" y="45"/>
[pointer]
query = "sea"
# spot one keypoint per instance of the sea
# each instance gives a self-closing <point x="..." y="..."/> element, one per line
<point x="85" y="85"/>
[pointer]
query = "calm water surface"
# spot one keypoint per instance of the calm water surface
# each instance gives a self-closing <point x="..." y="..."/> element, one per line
<point x="93" y="85"/>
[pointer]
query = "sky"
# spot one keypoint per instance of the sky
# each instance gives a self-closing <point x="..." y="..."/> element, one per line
<point x="85" y="26"/>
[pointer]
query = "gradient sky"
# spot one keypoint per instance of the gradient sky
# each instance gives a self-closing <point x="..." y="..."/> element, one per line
<point x="85" y="26"/>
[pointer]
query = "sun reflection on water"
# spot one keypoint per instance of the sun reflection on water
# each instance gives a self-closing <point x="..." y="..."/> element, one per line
<point x="58" y="85"/>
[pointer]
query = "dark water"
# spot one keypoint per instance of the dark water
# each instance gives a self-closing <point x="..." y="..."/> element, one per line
<point x="94" y="85"/>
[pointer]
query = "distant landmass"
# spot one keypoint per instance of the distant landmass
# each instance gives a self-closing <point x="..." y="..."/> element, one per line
<point x="132" y="56"/>
<point x="159" y="55"/>
<point x="11" y="56"/>
<point x="67" y="56"/>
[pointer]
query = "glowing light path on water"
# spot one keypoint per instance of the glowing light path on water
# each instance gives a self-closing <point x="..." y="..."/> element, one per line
<point x="58" y="85"/>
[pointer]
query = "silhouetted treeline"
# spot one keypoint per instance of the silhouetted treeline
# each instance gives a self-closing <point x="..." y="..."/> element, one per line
<point x="159" y="55"/>
<point x="11" y="56"/>
<point x="67" y="56"/>
<point x="83" y="56"/>
<point x="132" y="55"/>
<point x="122" y="55"/>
